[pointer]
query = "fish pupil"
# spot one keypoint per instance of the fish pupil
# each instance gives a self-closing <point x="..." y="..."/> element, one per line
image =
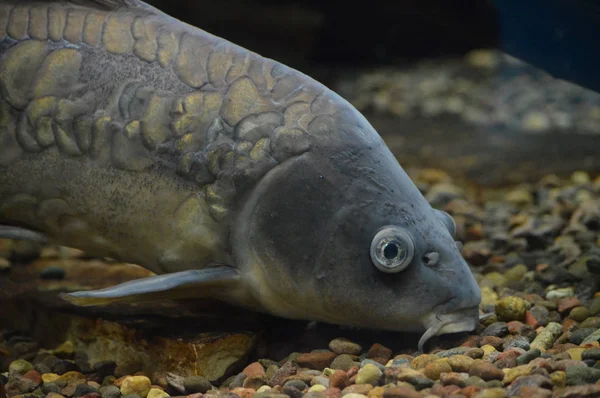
<point x="390" y="251"/>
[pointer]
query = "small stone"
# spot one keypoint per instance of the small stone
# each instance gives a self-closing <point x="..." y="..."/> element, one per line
<point x="316" y="360"/>
<point x="298" y="384"/>
<point x="460" y="363"/>
<point x="322" y="380"/>
<point x="497" y="329"/>
<point x="369" y="374"/>
<point x="401" y="392"/>
<point x="582" y="375"/>
<point x="354" y="395"/>
<point x="421" y="361"/>
<point x="50" y="387"/>
<point x="587" y="391"/>
<point x="516" y="342"/>
<point x="83" y="389"/>
<point x="558" y="294"/>
<point x="110" y="392"/>
<point x="454" y="378"/>
<point x="529" y="356"/>
<point x="591" y="353"/>
<point x="537" y="316"/>
<point x="20" y="366"/>
<point x="435" y="369"/>
<point x="568" y="303"/>
<point x="139" y="385"/>
<point x="357" y="389"/>
<point x="343" y="346"/>
<point x="493" y="341"/>
<point x="579" y="335"/>
<point x="546" y="338"/>
<point x="535" y="392"/>
<point x="379" y="353"/>
<point x="474" y="353"/>
<point x="594" y="337"/>
<point x="372" y="362"/>
<point x="511" y="308"/>
<point x="579" y="314"/>
<point x="395" y="374"/>
<point x="317" y="388"/>
<point x="535" y="380"/>
<point x="339" y="379"/>
<point x="343" y="362"/>
<point x="254" y="382"/>
<point x="255" y="369"/>
<point x="156" y="393"/>
<point x="486" y="371"/>
<point x="491" y="393"/>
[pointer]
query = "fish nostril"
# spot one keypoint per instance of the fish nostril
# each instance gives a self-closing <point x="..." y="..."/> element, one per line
<point x="431" y="259"/>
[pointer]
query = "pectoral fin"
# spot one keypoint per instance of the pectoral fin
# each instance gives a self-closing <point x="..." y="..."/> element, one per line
<point x="207" y="282"/>
<point x="18" y="233"/>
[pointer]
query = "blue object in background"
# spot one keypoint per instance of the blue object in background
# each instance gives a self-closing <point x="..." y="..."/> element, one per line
<point x="559" y="36"/>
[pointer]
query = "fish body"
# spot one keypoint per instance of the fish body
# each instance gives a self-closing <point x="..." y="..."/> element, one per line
<point x="129" y="134"/>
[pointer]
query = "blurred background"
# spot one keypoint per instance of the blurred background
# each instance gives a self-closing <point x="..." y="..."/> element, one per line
<point x="433" y="78"/>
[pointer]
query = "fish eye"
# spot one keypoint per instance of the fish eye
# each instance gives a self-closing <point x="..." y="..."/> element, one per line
<point x="447" y="220"/>
<point x="392" y="249"/>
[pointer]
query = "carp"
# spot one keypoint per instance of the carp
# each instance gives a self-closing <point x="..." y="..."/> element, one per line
<point x="129" y="134"/>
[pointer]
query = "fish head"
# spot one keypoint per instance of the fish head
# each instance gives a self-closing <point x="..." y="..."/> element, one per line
<point x="340" y="234"/>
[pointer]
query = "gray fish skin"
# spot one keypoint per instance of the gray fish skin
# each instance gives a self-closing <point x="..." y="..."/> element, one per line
<point x="127" y="133"/>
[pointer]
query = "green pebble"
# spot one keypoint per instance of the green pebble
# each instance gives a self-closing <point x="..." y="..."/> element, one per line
<point x="528" y="356"/>
<point x="594" y="306"/>
<point x="20" y="366"/>
<point x="579" y="314"/>
<point x="516" y="273"/>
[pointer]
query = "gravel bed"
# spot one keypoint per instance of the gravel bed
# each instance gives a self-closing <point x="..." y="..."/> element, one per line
<point x="534" y="250"/>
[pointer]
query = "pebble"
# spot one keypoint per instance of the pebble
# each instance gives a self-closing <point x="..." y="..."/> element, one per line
<point x="591" y="353"/>
<point x="491" y="393"/>
<point x="20" y="366"/>
<point x="316" y="360"/>
<point x="111" y="392"/>
<point x="579" y="314"/>
<point x="460" y="363"/>
<point x="593" y="337"/>
<point x="379" y="353"/>
<point x="369" y="374"/>
<point x="529" y="356"/>
<point x="343" y="362"/>
<point x="497" y="329"/>
<point x="372" y="362"/>
<point x="434" y="369"/>
<point x="344" y="346"/>
<point x="511" y="308"/>
<point x="485" y="370"/>
<point x="582" y="375"/>
<point x="547" y="336"/>
<point x="139" y="385"/>
<point x="401" y="392"/>
<point x="395" y="374"/>
<point x="298" y="384"/>
<point x="156" y="393"/>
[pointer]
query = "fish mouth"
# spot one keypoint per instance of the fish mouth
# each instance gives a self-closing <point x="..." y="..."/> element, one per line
<point x="463" y="320"/>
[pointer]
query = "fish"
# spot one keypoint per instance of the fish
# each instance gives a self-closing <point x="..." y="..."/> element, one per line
<point x="129" y="134"/>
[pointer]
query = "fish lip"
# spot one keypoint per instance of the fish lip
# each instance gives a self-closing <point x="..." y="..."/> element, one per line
<point x="441" y="322"/>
